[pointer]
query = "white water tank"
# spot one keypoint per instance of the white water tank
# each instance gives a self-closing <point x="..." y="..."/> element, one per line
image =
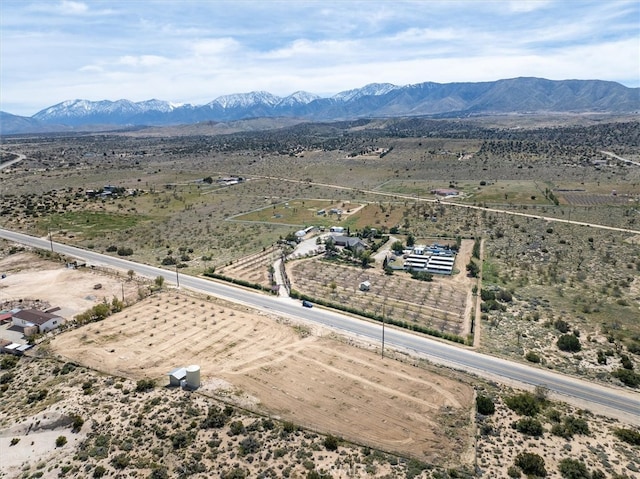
<point x="193" y="376"/>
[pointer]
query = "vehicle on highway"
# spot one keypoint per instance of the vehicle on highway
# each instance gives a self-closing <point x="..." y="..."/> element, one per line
<point x="307" y="304"/>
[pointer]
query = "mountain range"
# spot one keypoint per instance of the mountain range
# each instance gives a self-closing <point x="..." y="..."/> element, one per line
<point x="376" y="100"/>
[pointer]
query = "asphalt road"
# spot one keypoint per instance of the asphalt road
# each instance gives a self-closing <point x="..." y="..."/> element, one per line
<point x="615" y="402"/>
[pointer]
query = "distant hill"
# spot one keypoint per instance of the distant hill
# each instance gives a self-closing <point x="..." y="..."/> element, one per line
<point x="378" y="100"/>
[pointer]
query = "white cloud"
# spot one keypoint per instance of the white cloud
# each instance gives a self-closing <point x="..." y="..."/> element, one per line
<point x="70" y="49"/>
<point x="142" y="61"/>
<point x="526" y="6"/>
<point x="68" y="7"/>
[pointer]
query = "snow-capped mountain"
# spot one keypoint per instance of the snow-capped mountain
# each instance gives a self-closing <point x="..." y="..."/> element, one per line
<point x="244" y="100"/>
<point x="373" y="100"/>
<point x="372" y="89"/>
<point x="298" y="98"/>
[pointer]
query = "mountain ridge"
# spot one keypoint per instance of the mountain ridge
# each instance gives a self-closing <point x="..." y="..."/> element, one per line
<point x="515" y="95"/>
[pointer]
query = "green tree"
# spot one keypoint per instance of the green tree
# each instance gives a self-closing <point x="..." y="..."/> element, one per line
<point x="397" y="247"/>
<point x="485" y="405"/>
<point x="473" y="269"/>
<point x="411" y="241"/>
<point x="366" y="259"/>
<point x="331" y="443"/>
<point x="531" y="464"/>
<point x="476" y="249"/>
<point x="569" y="343"/>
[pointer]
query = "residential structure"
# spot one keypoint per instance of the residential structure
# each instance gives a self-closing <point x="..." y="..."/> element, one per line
<point x="30" y="318"/>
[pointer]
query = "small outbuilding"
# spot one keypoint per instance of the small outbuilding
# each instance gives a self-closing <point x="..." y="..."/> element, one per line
<point x="177" y="376"/>
<point x="365" y="286"/>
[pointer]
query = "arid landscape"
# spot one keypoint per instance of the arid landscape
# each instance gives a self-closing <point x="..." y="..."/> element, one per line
<point x="546" y="273"/>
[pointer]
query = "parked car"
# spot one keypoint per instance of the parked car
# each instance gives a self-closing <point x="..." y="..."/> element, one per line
<point x="307" y="304"/>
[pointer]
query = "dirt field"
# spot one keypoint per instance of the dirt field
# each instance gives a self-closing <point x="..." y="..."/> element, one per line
<point x="258" y="362"/>
<point x="30" y="278"/>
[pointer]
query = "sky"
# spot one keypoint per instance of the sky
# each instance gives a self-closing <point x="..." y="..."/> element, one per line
<point x="193" y="51"/>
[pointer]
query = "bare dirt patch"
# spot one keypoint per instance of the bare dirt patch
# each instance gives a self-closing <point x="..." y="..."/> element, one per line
<point x="31" y="278"/>
<point x="315" y="381"/>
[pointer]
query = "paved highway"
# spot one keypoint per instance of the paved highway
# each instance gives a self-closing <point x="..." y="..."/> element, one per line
<point x="612" y="401"/>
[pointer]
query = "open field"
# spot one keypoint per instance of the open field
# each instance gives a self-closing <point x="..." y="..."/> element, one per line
<point x="542" y="280"/>
<point x="289" y="374"/>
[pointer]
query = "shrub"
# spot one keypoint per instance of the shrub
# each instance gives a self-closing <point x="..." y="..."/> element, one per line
<point x="630" y="436"/>
<point x="331" y="443"/>
<point x="99" y="471"/>
<point x="504" y="296"/>
<point x="61" y="441"/>
<point x="573" y="469"/>
<point x="532" y="357"/>
<point x="8" y="361"/>
<point x="514" y="472"/>
<point x="569" y="343"/>
<point x="529" y="426"/>
<point x="249" y="445"/>
<point x="112" y="248"/>
<point x="125" y="251"/>
<point x="168" y="261"/>
<point x="236" y="427"/>
<point x="525" y="404"/>
<point x="626" y="362"/>
<point x="144" y="385"/>
<point x="627" y="376"/>
<point x="76" y="423"/>
<point x="570" y="426"/>
<point x="561" y="326"/>
<point x="121" y="461"/>
<point x="215" y="418"/>
<point x="487" y="295"/>
<point x="485" y="405"/>
<point x="531" y="464"/>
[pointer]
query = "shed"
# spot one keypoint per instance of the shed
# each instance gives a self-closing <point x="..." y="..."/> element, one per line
<point x="176" y="376"/>
<point x="365" y="285"/>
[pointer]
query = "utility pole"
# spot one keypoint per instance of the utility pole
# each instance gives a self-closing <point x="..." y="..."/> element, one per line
<point x="50" y="239"/>
<point x="177" y="277"/>
<point x="123" y="292"/>
<point x="383" y="305"/>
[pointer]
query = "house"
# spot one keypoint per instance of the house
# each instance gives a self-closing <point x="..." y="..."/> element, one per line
<point x="177" y="376"/>
<point x="30" y="318"/>
<point x="350" y="242"/>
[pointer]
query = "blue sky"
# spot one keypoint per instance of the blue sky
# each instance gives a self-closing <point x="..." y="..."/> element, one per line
<point x="194" y="51"/>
